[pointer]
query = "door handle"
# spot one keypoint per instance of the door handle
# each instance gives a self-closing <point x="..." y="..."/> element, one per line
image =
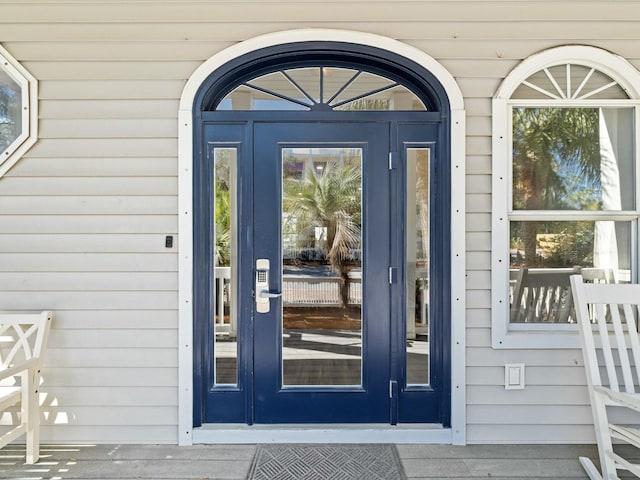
<point x="268" y="294"/>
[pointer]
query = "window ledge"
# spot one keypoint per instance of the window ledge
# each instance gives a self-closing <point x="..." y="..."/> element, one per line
<point x="536" y="336"/>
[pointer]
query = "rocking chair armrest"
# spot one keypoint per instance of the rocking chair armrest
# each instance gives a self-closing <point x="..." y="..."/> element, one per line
<point x="623" y="399"/>
<point x="18" y="369"/>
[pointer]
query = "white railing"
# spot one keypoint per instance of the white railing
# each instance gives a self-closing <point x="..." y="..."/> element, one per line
<point x="355" y="288"/>
<point x="304" y="290"/>
<point x="310" y="253"/>
<point x="543" y="295"/>
<point x="297" y="291"/>
<point x="223" y="289"/>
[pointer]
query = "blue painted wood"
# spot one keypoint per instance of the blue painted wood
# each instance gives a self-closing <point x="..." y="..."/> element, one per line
<point x="219" y="403"/>
<point x="385" y="310"/>
<point x="419" y="404"/>
<point x="258" y="395"/>
<point x="331" y="54"/>
<point x="370" y="402"/>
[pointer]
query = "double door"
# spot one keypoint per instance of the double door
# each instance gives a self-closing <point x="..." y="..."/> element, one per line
<point x="317" y="301"/>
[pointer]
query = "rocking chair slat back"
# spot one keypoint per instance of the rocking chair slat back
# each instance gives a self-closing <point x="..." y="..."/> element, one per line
<point x="607" y="317"/>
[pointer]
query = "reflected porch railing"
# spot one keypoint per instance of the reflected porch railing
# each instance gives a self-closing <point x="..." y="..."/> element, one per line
<point x="297" y="291"/>
<point x="543" y="295"/>
<point x="308" y="291"/>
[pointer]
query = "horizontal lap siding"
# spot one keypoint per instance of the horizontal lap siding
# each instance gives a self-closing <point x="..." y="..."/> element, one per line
<point x="84" y="218"/>
<point x="84" y="215"/>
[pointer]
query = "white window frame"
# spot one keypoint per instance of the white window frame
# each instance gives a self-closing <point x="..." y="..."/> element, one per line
<point x="29" y="134"/>
<point x="503" y="333"/>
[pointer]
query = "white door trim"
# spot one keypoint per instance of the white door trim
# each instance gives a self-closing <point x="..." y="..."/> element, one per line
<point x="185" y="206"/>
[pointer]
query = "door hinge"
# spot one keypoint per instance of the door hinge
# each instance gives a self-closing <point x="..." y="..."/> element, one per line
<point x="393" y="275"/>
<point x="393" y="389"/>
<point x="393" y="160"/>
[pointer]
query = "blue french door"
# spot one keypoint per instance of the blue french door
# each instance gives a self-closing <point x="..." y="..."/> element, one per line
<point x="321" y="272"/>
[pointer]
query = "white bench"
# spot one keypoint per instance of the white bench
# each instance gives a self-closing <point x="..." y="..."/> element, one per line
<point x="23" y="338"/>
<point x="608" y="322"/>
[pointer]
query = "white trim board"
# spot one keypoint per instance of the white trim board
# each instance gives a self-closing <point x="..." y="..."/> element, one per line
<point x="367" y="433"/>
<point x="186" y="435"/>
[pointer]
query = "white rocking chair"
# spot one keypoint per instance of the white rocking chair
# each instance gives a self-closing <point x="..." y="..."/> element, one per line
<point x="608" y="321"/>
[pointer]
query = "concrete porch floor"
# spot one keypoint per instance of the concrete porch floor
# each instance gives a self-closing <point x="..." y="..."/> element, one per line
<point x="232" y="462"/>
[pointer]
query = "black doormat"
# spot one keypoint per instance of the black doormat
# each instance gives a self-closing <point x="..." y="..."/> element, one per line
<point x="326" y="462"/>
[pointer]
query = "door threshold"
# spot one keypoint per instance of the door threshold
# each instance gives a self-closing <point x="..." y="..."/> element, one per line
<point x="339" y="433"/>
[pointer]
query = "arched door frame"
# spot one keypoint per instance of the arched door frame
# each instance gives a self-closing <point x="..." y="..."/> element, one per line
<point x="457" y="433"/>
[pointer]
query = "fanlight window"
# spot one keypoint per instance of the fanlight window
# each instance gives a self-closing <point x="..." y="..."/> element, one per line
<point x="569" y="82"/>
<point x="321" y="88"/>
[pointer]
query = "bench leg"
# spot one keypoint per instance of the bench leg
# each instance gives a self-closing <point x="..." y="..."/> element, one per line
<point x="33" y="446"/>
<point x="32" y="419"/>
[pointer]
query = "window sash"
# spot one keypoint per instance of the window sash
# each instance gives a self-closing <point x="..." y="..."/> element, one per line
<point x="535" y="335"/>
<point x="559" y="104"/>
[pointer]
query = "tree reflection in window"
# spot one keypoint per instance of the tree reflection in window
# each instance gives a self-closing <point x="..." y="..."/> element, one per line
<point x="556" y="166"/>
<point x="568" y="162"/>
<point x="572" y="204"/>
<point x="10" y="110"/>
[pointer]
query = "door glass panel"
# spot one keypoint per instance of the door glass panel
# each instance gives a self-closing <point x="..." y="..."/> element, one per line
<point x="225" y="311"/>
<point x="306" y="80"/>
<point x="322" y="266"/>
<point x="417" y="266"/>
<point x="335" y="80"/>
<point x="364" y="84"/>
<point x="396" y="98"/>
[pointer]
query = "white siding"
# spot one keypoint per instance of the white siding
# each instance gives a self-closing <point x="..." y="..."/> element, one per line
<point x="84" y="216"/>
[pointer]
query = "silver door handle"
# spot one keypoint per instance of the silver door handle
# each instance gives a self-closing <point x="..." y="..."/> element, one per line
<point x="267" y="294"/>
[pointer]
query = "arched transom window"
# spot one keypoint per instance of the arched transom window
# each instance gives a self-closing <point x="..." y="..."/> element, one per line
<point x="569" y="81"/>
<point x="564" y="189"/>
<point x="321" y="88"/>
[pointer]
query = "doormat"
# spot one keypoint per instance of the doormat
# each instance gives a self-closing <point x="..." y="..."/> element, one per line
<point x="326" y="462"/>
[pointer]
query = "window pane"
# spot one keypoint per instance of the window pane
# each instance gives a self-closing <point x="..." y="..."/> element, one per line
<point x="417" y="249"/>
<point x="573" y="159"/>
<point x="544" y="254"/>
<point x="570" y="81"/>
<point x="322" y="266"/>
<point x="307" y="80"/>
<point x="224" y="284"/>
<point x="396" y="98"/>
<point x="247" y="98"/>
<point x="10" y="110"/>
<point x="323" y="88"/>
